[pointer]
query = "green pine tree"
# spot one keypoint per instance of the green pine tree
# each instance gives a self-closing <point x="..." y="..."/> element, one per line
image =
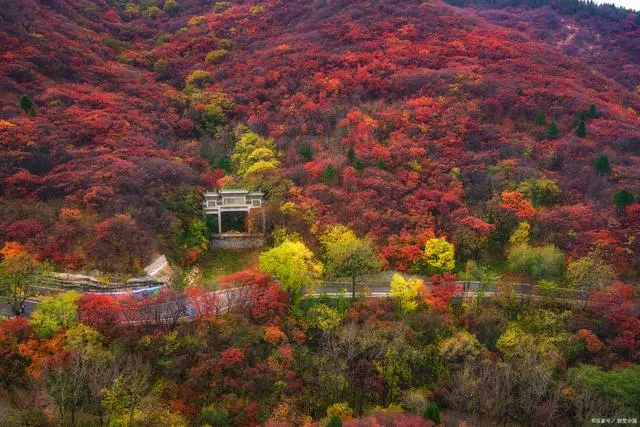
<point x="334" y="421"/>
<point x="622" y="199"/>
<point x="432" y="413"/>
<point x="552" y="132"/>
<point x="329" y="173"/>
<point x="381" y="164"/>
<point x="581" y="131"/>
<point x="541" y="120"/>
<point x="305" y="152"/>
<point x="592" y="111"/>
<point x="351" y="155"/>
<point x="27" y="105"/>
<point x="224" y="163"/>
<point x="602" y="164"/>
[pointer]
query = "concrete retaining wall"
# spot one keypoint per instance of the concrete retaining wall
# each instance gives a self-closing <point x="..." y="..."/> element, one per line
<point x="240" y="241"/>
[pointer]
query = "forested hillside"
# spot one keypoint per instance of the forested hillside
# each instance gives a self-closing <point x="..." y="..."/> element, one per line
<point x="452" y="200"/>
<point x="424" y="118"/>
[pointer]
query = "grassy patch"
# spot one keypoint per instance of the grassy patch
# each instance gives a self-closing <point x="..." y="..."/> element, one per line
<point x="217" y="263"/>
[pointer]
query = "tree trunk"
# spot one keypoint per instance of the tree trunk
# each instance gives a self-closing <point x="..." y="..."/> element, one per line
<point x="353" y="288"/>
<point x="353" y="397"/>
<point x="361" y="397"/>
<point x="16" y="306"/>
<point x="131" y="412"/>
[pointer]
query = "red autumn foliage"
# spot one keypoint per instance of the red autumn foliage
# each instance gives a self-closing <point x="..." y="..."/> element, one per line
<point x="99" y="311"/>
<point x="435" y="124"/>
<point x="205" y="304"/>
<point x="591" y="341"/>
<point x="268" y="303"/>
<point x="401" y="119"/>
<point x="371" y="310"/>
<point x="38" y="351"/>
<point x="12" y="363"/>
<point x="440" y="290"/>
<point x="514" y="201"/>
<point x="24" y="230"/>
<point x="619" y="305"/>
<point x="230" y="357"/>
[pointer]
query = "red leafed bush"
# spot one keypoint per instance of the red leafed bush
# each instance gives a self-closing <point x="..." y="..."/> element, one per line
<point x="442" y="289"/>
<point x="205" y="304"/>
<point x="593" y="343"/>
<point x="618" y="305"/>
<point x="230" y="357"/>
<point x="515" y="202"/>
<point x="24" y="230"/>
<point x="268" y="303"/>
<point x="99" y="311"/>
<point x="15" y="330"/>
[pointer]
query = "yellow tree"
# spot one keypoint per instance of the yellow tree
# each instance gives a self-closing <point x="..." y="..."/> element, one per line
<point x="347" y="255"/>
<point x="55" y="313"/>
<point x="254" y="156"/>
<point x="589" y="272"/>
<point x="460" y="348"/>
<point x="293" y="264"/>
<point x="439" y="255"/>
<point x="521" y="235"/>
<point x="407" y="290"/>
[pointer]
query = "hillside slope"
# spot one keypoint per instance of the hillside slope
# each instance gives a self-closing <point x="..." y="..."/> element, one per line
<point x="403" y="119"/>
<point x="610" y="44"/>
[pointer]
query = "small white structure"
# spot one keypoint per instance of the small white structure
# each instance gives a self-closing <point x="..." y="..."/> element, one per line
<point x="240" y="200"/>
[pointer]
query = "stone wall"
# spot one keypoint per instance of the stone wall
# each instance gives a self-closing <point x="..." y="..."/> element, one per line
<point x="156" y="275"/>
<point x="243" y="241"/>
<point x="62" y="282"/>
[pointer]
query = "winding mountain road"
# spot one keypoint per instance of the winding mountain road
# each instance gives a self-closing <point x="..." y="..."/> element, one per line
<point x="185" y="308"/>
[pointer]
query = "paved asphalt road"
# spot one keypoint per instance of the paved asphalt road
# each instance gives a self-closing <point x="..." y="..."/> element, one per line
<point x="383" y="288"/>
<point x="238" y="296"/>
<point x="30" y="306"/>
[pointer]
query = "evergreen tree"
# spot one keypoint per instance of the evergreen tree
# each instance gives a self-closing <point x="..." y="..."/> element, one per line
<point x="305" y="152"/>
<point x="622" y="199"/>
<point x="27" y="105"/>
<point x="334" y="421"/>
<point x="581" y="131"/>
<point x="592" y="111"/>
<point x="351" y="155"/>
<point x="602" y="165"/>
<point x="381" y="164"/>
<point x="224" y="163"/>
<point x="432" y="413"/>
<point x="329" y="173"/>
<point x="552" y="132"/>
<point x="541" y="120"/>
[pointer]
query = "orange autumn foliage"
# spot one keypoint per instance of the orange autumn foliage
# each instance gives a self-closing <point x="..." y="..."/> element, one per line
<point x="515" y="202"/>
